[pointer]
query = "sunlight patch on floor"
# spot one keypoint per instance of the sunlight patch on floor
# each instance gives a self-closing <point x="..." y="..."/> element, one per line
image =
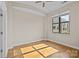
<point x="35" y="51"/>
<point x="34" y="54"/>
<point x="48" y="51"/>
<point x="38" y="46"/>
<point x="27" y="49"/>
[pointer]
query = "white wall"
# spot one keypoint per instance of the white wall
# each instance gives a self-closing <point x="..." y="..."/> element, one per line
<point x="71" y="39"/>
<point x="23" y="27"/>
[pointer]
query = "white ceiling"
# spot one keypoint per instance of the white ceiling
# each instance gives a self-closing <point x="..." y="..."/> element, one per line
<point x="49" y="6"/>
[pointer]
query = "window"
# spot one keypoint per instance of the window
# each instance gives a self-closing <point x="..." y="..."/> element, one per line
<point x="61" y="23"/>
<point x="56" y="24"/>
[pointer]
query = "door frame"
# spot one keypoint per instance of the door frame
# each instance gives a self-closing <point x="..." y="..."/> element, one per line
<point x="4" y="9"/>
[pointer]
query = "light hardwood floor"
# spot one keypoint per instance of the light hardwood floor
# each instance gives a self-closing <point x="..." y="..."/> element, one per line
<point x="61" y="51"/>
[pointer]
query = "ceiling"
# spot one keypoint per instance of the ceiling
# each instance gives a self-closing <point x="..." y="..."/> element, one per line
<point x="49" y="6"/>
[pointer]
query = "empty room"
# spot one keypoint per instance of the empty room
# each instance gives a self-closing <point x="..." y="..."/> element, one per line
<point x="39" y="29"/>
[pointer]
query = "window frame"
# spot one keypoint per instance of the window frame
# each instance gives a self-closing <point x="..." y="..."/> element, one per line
<point x="61" y="23"/>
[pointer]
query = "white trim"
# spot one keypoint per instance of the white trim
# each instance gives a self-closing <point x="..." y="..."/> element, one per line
<point x="29" y="10"/>
<point x="4" y="9"/>
<point x="61" y="14"/>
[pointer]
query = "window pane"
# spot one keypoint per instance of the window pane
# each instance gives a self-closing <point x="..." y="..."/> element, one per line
<point x="56" y="20"/>
<point x="64" y="18"/>
<point x="56" y="28"/>
<point x="65" y="27"/>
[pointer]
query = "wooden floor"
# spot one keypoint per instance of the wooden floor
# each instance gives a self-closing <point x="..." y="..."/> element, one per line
<point x="43" y="49"/>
